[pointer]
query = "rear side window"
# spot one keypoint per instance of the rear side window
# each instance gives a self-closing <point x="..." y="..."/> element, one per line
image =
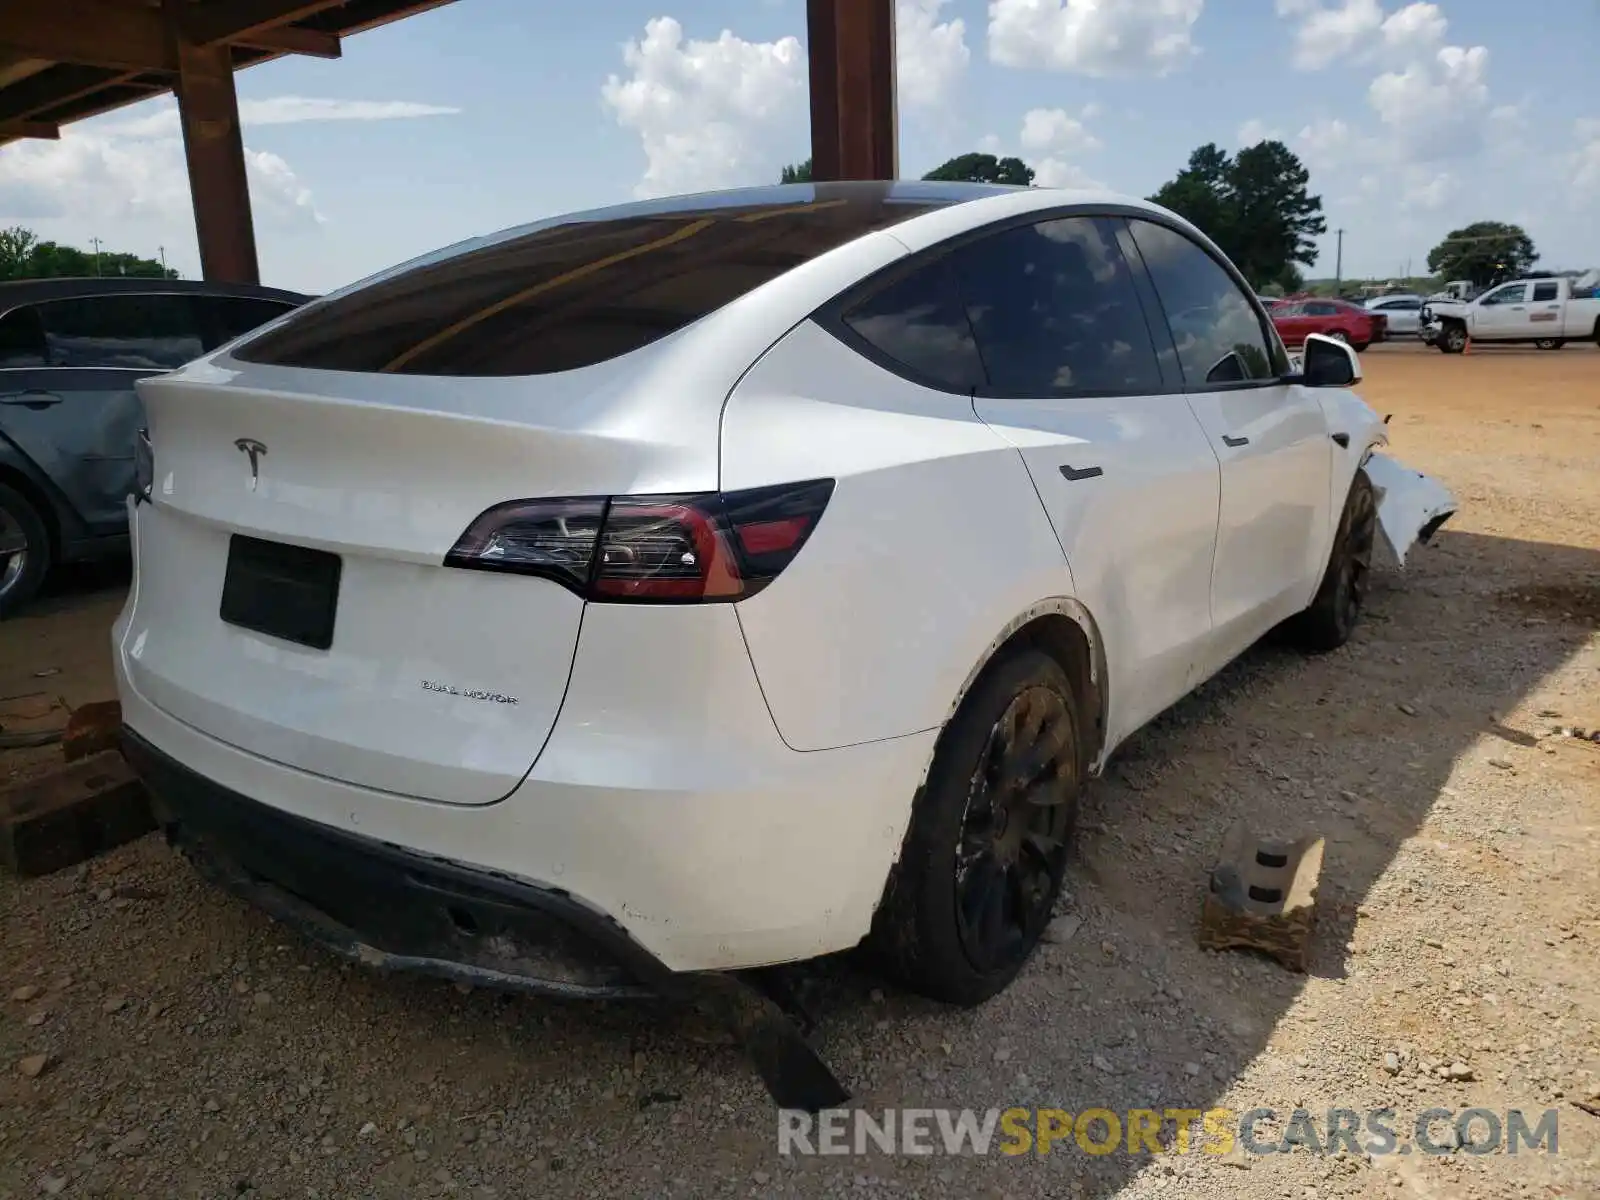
<point x="1055" y="311"/>
<point x="917" y="321"/>
<point x="571" y="295"/>
<point x="234" y="316"/>
<point x="1218" y="333"/>
<point x="132" y="332"/>
<point x="22" y="338"/>
<point x="1546" y="291"/>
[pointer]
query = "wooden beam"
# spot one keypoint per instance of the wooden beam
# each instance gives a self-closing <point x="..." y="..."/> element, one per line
<point x="239" y="20"/>
<point x="87" y="32"/>
<point x="290" y="39"/>
<point x="208" y="110"/>
<point x="51" y="89"/>
<point x="71" y="815"/>
<point x="854" y="125"/>
<point x="30" y="129"/>
<point x="102" y="34"/>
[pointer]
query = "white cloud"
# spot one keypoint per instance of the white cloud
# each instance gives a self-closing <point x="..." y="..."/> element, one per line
<point x="1585" y="161"/>
<point x="931" y="56"/>
<point x="280" y="110"/>
<point x="1050" y="140"/>
<point x="1361" y="30"/>
<point x="1414" y="29"/>
<point x="1255" y="131"/>
<point x="706" y="112"/>
<point x="1052" y="131"/>
<point x="1328" y="34"/>
<point x="1058" y="173"/>
<point x="91" y="178"/>
<point x="1094" y="37"/>
<point x="131" y="170"/>
<point x="1436" y="108"/>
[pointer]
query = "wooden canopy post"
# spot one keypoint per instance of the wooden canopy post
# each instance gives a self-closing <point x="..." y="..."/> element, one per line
<point x="214" y="147"/>
<point x="854" y="125"/>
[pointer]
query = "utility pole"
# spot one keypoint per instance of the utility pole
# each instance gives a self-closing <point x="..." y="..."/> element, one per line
<point x="95" y="242"/>
<point x="162" y="250"/>
<point x="1338" y="265"/>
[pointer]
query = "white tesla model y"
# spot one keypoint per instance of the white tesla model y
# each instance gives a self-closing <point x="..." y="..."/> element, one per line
<point x="727" y="580"/>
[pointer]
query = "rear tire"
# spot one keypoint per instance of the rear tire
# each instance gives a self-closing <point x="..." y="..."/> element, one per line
<point x="24" y="551"/>
<point x="983" y="859"/>
<point x="1332" y="615"/>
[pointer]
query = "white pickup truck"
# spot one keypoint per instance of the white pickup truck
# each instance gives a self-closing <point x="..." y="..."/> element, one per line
<point x="1547" y="312"/>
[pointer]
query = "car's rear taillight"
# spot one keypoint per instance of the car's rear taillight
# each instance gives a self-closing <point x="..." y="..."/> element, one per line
<point x="662" y="549"/>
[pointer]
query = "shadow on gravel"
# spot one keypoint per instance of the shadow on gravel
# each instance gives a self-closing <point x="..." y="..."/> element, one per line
<point x="1120" y="1016"/>
<point x="640" y="1099"/>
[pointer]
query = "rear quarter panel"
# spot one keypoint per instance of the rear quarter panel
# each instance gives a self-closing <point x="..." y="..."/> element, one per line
<point x="934" y="540"/>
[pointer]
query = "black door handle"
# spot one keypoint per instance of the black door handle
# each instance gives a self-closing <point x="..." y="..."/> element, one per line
<point x="32" y="398"/>
<point x="1343" y="439"/>
<point x="1229" y="440"/>
<point x="1076" y="473"/>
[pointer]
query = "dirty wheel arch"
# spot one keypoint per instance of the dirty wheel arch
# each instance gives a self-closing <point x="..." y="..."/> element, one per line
<point x="987" y="845"/>
<point x="1330" y="619"/>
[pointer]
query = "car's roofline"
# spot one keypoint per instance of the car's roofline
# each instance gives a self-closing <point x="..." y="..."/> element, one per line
<point x="978" y="204"/>
<point x="32" y="291"/>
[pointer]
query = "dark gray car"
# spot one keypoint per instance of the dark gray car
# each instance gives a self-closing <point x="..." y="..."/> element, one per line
<point x="70" y="350"/>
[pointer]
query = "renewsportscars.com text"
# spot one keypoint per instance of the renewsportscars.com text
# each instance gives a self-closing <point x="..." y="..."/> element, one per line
<point x="1214" y="1131"/>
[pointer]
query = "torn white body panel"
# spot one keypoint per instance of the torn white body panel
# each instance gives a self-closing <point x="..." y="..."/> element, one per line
<point x="1411" y="505"/>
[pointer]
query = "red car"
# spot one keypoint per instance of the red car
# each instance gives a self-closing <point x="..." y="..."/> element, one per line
<point x="1335" y="318"/>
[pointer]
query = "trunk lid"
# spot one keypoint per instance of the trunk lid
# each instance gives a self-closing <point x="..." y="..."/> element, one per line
<point x="435" y="683"/>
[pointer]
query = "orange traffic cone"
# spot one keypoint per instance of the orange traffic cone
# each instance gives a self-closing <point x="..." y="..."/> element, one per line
<point x="1467" y="349"/>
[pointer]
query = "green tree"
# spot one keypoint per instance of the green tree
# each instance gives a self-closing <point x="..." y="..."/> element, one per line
<point x="24" y="256"/>
<point x="16" y="248"/>
<point x="1256" y="206"/>
<point x="1203" y="193"/>
<point x="1485" y="252"/>
<point x="983" y="168"/>
<point x="797" y="173"/>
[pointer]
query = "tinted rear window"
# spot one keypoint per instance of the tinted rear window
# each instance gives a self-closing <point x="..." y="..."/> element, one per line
<point x="236" y="315"/>
<point x="126" y="330"/>
<point x="918" y="321"/>
<point x="571" y="295"/>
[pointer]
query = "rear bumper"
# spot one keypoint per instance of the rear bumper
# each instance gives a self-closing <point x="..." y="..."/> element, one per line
<point x="388" y="907"/>
<point x="664" y="800"/>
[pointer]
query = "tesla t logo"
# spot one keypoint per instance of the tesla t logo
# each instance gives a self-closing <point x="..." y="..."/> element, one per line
<point x="255" y="451"/>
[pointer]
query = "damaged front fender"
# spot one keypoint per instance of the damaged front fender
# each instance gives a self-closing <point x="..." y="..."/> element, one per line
<point x="1411" y="505"/>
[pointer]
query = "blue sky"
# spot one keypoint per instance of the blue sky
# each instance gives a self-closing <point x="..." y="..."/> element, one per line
<point x="1413" y="118"/>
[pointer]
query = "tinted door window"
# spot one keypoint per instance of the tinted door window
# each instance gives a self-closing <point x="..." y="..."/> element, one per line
<point x="234" y="316"/>
<point x="1545" y="291"/>
<point x="145" y="333"/>
<point x="1402" y="305"/>
<point x="22" y="338"/>
<point x="570" y="295"/>
<point x="1055" y="311"/>
<point x="1219" y="335"/>
<point x="918" y="322"/>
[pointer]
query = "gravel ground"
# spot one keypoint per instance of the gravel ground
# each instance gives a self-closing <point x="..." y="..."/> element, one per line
<point x="194" y="1049"/>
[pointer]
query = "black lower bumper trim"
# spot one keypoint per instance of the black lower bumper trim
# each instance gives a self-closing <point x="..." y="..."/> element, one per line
<point x="393" y="908"/>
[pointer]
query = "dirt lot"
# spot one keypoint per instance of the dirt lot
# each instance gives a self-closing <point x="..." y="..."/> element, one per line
<point x="197" y="1050"/>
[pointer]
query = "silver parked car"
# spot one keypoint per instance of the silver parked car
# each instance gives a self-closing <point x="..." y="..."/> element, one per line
<point x="1403" y="311"/>
<point x="70" y="350"/>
